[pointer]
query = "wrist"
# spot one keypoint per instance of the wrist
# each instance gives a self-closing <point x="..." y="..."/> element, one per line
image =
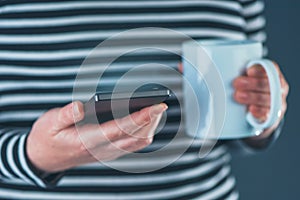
<point x="50" y="179"/>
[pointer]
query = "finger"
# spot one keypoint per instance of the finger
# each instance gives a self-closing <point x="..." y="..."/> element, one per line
<point x="137" y="120"/>
<point x="127" y="144"/>
<point x="110" y="151"/>
<point x="278" y="69"/>
<point x="136" y="145"/>
<point x="148" y="130"/>
<point x="285" y="90"/>
<point x="140" y="139"/>
<point x="283" y="81"/>
<point x="251" y="84"/>
<point x="130" y="144"/>
<point x="252" y="98"/>
<point x="69" y="115"/>
<point x="259" y="112"/>
<point x="93" y="135"/>
<point x="256" y="71"/>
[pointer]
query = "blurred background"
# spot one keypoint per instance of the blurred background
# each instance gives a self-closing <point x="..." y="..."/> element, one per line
<point x="275" y="174"/>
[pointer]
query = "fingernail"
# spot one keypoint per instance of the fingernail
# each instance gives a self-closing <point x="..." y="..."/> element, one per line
<point x="259" y="68"/>
<point x="76" y="110"/>
<point x="158" y="109"/>
<point x="256" y="70"/>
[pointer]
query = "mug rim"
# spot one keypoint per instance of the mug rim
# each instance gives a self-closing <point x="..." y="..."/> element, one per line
<point x="225" y="42"/>
<point x="221" y="42"/>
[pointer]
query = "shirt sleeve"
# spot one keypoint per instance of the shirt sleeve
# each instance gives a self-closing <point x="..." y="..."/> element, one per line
<point x="14" y="163"/>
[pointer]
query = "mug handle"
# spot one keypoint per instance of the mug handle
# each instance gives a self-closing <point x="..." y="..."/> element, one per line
<point x="276" y="101"/>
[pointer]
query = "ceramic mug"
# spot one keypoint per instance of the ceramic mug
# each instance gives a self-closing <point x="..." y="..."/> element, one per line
<point x="229" y="59"/>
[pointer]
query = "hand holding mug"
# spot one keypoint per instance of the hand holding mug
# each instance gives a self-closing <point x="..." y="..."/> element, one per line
<point x="210" y="69"/>
<point x="252" y="90"/>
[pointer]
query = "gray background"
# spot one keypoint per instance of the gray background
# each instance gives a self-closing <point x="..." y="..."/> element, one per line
<point x="275" y="174"/>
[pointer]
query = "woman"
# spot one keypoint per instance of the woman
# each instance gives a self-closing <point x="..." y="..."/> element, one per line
<point x="43" y="43"/>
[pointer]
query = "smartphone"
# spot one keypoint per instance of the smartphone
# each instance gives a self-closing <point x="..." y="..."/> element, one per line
<point x="108" y="105"/>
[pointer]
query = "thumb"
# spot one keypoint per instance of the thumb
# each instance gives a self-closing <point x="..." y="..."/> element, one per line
<point x="69" y="115"/>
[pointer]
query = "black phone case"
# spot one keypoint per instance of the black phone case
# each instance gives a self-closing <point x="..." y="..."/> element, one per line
<point x="108" y="109"/>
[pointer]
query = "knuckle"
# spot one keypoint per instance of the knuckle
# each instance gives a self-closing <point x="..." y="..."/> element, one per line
<point x="236" y="95"/>
<point x="143" y="117"/>
<point x="111" y="130"/>
<point x="253" y="109"/>
<point x="287" y="87"/>
<point x="241" y="96"/>
<point x="261" y="83"/>
<point x="261" y="111"/>
<point x="260" y="98"/>
<point x="264" y="111"/>
<point x="237" y="83"/>
<point x="286" y="90"/>
<point x="146" y="141"/>
<point x="111" y="136"/>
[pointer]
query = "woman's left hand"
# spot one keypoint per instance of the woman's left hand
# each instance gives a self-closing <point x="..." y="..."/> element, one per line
<point x="253" y="91"/>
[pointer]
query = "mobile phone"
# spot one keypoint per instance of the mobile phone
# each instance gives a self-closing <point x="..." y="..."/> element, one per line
<point x="109" y="105"/>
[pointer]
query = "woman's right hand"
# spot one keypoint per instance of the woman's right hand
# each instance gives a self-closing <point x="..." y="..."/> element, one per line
<point x="55" y="143"/>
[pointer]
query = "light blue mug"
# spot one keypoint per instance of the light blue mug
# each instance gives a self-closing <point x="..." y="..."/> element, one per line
<point x="209" y="68"/>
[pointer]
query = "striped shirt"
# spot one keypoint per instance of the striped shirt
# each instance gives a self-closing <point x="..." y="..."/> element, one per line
<point x="42" y="45"/>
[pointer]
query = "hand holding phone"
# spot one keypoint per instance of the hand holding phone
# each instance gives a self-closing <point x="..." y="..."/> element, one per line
<point x="108" y="105"/>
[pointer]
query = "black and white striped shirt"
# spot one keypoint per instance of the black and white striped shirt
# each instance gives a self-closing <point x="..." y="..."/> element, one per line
<point x="42" y="45"/>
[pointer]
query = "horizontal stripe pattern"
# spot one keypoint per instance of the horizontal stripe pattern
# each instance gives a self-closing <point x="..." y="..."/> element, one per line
<point x="78" y="20"/>
<point x="13" y="164"/>
<point x="42" y="45"/>
<point x="71" y="5"/>
<point x="55" y="39"/>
